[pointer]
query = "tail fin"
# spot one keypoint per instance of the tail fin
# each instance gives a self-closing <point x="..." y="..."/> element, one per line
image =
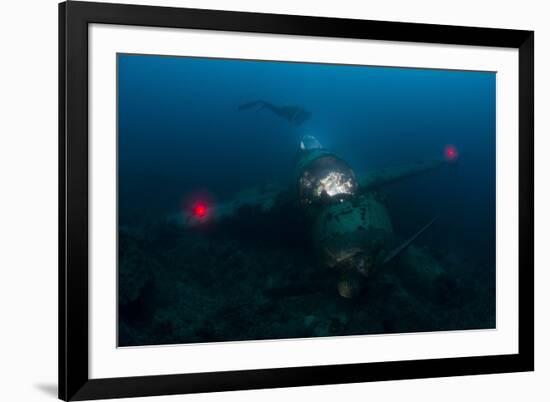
<point x="403" y="246"/>
<point x="249" y="105"/>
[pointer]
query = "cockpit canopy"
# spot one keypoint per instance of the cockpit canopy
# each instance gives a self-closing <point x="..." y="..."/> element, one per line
<point x="326" y="180"/>
<point x="309" y="143"/>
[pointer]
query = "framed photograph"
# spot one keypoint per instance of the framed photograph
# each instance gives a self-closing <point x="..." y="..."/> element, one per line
<point x="256" y="200"/>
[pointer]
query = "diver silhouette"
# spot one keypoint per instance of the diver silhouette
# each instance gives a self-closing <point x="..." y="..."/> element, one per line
<point x="294" y="114"/>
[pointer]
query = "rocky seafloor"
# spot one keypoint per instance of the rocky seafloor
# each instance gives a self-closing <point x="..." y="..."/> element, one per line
<point x="255" y="278"/>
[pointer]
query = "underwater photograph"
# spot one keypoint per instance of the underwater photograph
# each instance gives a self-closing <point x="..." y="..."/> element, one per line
<point x="266" y="199"/>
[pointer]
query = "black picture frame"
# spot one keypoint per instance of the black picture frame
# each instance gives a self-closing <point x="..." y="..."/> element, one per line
<point x="74" y="381"/>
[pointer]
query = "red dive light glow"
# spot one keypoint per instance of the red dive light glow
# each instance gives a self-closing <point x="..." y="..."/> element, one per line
<point x="200" y="210"/>
<point x="451" y="153"/>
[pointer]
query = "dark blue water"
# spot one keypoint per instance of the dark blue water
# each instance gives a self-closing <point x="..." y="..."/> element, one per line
<point x="179" y="127"/>
<point x="180" y="131"/>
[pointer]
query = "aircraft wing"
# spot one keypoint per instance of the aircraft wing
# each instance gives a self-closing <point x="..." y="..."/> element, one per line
<point x="380" y="177"/>
<point x="261" y="197"/>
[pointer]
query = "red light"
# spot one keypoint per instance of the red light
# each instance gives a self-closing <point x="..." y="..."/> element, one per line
<point x="451" y="154"/>
<point x="200" y="210"/>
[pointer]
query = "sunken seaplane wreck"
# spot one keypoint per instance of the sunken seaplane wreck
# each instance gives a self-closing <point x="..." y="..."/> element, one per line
<point x="349" y="225"/>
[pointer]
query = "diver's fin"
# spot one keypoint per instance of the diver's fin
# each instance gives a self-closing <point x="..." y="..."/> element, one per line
<point x="381" y="177"/>
<point x="403" y="246"/>
<point x="249" y="105"/>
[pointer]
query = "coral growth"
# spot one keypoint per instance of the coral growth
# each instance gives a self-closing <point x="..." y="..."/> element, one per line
<point x="179" y="286"/>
